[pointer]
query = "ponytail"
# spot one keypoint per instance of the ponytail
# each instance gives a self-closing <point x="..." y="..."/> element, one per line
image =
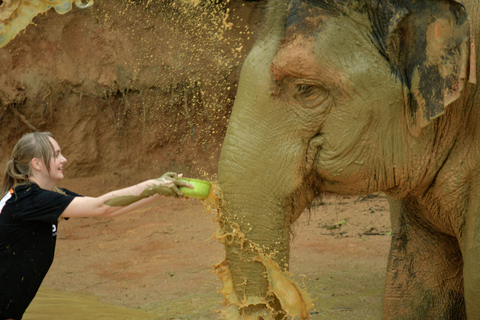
<point x="15" y="174"/>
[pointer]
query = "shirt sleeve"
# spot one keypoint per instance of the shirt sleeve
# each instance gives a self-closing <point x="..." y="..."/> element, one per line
<point x="70" y="193"/>
<point x="43" y="205"/>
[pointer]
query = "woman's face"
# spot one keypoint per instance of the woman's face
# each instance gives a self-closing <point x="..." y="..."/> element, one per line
<point x="56" y="162"/>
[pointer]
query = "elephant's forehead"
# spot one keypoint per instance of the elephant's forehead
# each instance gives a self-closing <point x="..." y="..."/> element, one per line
<point x="303" y="17"/>
<point x="309" y="17"/>
<point x="338" y="45"/>
<point x="296" y="59"/>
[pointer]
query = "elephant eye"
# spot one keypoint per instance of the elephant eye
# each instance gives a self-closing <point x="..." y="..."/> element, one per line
<point x="309" y="94"/>
<point x="305" y="89"/>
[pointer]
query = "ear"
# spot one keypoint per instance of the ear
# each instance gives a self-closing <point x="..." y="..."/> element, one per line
<point x="429" y="48"/>
<point x="36" y="164"/>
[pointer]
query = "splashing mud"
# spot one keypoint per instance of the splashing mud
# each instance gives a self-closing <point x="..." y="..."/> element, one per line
<point x="296" y="303"/>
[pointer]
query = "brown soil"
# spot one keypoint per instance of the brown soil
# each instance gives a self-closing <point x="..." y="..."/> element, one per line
<point x="132" y="89"/>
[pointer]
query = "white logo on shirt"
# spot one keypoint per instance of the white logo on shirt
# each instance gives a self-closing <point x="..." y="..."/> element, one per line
<point x="4" y="201"/>
<point x="54" y="230"/>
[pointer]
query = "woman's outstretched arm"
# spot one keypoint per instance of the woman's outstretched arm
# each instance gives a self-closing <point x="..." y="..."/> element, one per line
<point x="122" y="201"/>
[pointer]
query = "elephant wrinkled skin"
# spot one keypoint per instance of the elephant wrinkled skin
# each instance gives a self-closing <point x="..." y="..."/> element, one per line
<point x="353" y="97"/>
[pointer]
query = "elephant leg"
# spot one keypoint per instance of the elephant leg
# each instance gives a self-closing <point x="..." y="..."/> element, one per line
<point x="395" y="207"/>
<point x="472" y="283"/>
<point x="424" y="274"/>
<point x="471" y="269"/>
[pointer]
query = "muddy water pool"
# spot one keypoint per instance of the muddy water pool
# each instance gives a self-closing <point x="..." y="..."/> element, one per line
<point x="51" y="304"/>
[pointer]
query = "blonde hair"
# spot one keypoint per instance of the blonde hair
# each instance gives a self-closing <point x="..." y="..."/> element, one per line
<point x="31" y="145"/>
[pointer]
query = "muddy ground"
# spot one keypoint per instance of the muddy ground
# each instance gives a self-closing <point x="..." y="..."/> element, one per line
<point x="132" y="89"/>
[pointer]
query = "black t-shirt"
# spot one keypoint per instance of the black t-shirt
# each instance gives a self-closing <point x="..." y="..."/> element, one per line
<point x="28" y="232"/>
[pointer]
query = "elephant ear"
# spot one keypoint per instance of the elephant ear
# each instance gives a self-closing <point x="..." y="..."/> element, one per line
<point x="428" y="45"/>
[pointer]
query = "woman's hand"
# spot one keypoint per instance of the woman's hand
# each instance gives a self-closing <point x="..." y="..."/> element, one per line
<point x="169" y="184"/>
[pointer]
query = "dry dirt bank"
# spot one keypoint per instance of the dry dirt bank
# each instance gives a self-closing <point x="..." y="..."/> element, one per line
<point x="122" y="84"/>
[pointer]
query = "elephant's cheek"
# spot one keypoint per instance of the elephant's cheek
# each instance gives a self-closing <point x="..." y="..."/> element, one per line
<point x="294" y="301"/>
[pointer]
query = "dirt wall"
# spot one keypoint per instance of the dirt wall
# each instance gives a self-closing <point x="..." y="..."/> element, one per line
<point x="128" y="86"/>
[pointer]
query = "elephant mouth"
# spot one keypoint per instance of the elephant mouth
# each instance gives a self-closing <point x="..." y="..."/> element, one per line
<point x="311" y="187"/>
<point x="314" y="146"/>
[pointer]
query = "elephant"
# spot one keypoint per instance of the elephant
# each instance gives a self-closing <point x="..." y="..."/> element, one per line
<point x="353" y="97"/>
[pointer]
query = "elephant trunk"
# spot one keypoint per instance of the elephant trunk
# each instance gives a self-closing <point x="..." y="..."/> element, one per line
<point x="264" y="176"/>
<point x="255" y="218"/>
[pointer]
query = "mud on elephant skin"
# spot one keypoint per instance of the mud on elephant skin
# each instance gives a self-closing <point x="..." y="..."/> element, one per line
<point x="353" y="97"/>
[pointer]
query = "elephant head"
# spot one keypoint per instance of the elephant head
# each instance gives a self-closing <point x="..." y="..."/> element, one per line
<point x="336" y="96"/>
<point x="16" y="15"/>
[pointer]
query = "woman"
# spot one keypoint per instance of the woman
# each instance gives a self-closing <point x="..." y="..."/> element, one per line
<point x="31" y="204"/>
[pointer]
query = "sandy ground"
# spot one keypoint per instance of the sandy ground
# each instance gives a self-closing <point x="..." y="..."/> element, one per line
<point x="159" y="259"/>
